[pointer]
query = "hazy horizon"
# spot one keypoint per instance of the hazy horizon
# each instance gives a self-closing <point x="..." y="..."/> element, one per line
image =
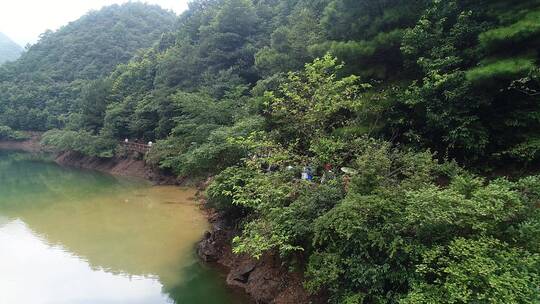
<point x="24" y="20"/>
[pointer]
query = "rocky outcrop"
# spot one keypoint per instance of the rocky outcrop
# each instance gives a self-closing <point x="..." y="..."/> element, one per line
<point x="266" y="280"/>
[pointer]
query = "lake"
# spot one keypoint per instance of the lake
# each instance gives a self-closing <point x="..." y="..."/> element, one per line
<point x="82" y="237"/>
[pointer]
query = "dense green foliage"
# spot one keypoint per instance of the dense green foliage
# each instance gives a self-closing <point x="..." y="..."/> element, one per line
<point x="441" y="73"/>
<point x="9" y="50"/>
<point x="391" y="233"/>
<point x="459" y="104"/>
<point x="39" y="89"/>
<point x="391" y="105"/>
<point x="81" y="141"/>
<point x="6" y="133"/>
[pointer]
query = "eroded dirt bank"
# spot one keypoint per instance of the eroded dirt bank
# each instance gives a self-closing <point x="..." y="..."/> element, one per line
<point x="130" y="165"/>
<point x="31" y="145"/>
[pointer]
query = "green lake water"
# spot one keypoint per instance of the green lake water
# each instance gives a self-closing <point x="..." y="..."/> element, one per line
<point x="70" y="236"/>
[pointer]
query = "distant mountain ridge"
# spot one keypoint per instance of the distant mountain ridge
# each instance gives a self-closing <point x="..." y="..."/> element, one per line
<point x="93" y="45"/>
<point x="9" y="50"/>
<point x="39" y="88"/>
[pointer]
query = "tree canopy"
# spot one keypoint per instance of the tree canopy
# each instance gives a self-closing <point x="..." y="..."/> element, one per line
<point x="385" y="149"/>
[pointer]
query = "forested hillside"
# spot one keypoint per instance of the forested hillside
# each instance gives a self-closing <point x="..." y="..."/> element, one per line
<point x="9" y="50"/>
<point x="399" y="115"/>
<point x="441" y="75"/>
<point x="43" y="86"/>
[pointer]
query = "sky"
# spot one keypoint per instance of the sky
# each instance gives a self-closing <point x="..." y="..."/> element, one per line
<point x="24" y="20"/>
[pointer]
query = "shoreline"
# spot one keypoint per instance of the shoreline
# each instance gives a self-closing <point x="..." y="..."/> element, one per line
<point x="128" y="166"/>
<point x="263" y="281"/>
<point x="31" y="145"/>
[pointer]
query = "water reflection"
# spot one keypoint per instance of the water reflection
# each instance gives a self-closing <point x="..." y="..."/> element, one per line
<point x="68" y="236"/>
<point x="54" y="275"/>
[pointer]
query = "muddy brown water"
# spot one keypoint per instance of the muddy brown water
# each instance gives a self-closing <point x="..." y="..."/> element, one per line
<point x="74" y="236"/>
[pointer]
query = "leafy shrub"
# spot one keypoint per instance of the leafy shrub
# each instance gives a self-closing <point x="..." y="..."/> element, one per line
<point x="476" y="271"/>
<point x="526" y="28"/>
<point x="220" y="191"/>
<point x="459" y="238"/>
<point x="285" y="214"/>
<point x="527" y="151"/>
<point x="502" y="70"/>
<point x="210" y="152"/>
<point x="6" y="133"/>
<point x="80" y="141"/>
